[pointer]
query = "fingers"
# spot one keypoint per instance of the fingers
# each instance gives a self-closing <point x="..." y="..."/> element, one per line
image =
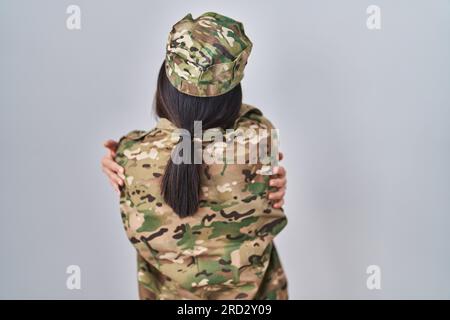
<point x="280" y="156"/>
<point x="114" y="180"/>
<point x="279" y="204"/>
<point x="113" y="171"/>
<point x="109" y="164"/>
<point x="115" y="187"/>
<point x="113" y="177"/>
<point x="277" y="195"/>
<point x="280" y="171"/>
<point x="278" y="182"/>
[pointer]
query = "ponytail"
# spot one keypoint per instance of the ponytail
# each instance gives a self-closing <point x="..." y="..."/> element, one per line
<point x="180" y="185"/>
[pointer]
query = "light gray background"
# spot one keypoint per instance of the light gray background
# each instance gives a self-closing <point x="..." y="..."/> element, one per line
<point x="363" y="117"/>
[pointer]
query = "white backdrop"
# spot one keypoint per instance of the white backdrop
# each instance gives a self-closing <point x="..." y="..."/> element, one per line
<point x="363" y="117"/>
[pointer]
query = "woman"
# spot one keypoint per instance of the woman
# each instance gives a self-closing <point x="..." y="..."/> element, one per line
<point x="202" y="230"/>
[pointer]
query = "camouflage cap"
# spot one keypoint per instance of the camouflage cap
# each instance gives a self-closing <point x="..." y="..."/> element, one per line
<point x="206" y="56"/>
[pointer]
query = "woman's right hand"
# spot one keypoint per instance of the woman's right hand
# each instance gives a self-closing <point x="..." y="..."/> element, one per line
<point x="113" y="171"/>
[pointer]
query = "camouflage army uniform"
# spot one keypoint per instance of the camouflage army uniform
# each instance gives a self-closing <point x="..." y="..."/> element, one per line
<point x="225" y="250"/>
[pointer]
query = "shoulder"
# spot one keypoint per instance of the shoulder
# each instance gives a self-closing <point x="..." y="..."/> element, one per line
<point x="130" y="140"/>
<point x="140" y="145"/>
<point x="252" y="117"/>
<point x="134" y="135"/>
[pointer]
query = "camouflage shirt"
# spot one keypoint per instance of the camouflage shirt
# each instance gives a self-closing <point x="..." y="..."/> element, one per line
<point x="225" y="250"/>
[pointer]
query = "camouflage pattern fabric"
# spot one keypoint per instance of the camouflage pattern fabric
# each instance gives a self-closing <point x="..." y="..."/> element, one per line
<point x="225" y="250"/>
<point x="206" y="56"/>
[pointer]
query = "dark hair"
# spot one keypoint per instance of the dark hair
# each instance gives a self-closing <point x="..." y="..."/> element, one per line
<point x="180" y="185"/>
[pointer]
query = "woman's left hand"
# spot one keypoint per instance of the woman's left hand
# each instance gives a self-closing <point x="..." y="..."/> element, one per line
<point x="279" y="181"/>
<point x="112" y="170"/>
